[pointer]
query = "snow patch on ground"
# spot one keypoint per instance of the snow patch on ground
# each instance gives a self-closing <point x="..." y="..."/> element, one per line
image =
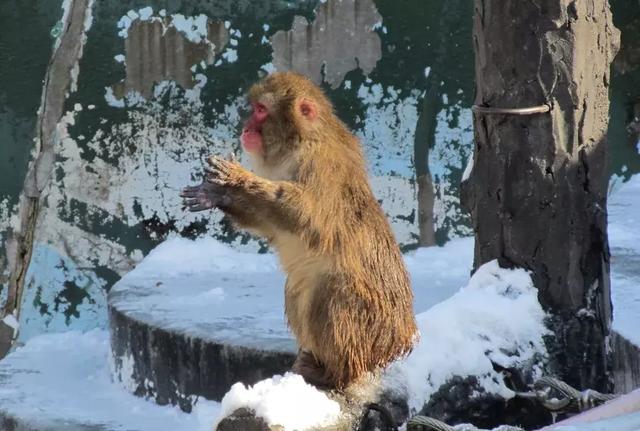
<point x="624" y="242"/>
<point x="628" y="422"/>
<point x="283" y="400"/>
<point x="64" y="378"/>
<point x="181" y="256"/>
<point x="497" y="312"/>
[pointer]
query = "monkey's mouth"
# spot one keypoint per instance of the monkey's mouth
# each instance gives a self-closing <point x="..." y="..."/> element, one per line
<point x="251" y="139"/>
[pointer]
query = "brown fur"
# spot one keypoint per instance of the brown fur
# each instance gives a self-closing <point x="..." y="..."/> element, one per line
<point x="348" y="299"/>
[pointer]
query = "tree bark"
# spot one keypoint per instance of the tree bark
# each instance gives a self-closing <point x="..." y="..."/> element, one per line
<point x="537" y="191"/>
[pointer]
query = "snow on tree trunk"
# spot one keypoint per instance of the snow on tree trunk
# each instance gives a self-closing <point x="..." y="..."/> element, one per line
<point x="538" y="189"/>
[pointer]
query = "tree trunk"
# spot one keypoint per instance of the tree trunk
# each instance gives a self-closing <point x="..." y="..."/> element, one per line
<point x="537" y="191"/>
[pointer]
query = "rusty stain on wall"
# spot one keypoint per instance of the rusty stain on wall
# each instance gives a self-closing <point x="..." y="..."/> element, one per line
<point x="340" y="39"/>
<point x="155" y="52"/>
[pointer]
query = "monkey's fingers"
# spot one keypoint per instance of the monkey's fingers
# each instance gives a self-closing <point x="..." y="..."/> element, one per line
<point x="199" y="207"/>
<point x="189" y="203"/>
<point x="195" y="205"/>
<point x="216" y="176"/>
<point x="219" y="164"/>
<point x="190" y="192"/>
<point x="214" y="160"/>
<point x="218" y="182"/>
<point x="213" y="170"/>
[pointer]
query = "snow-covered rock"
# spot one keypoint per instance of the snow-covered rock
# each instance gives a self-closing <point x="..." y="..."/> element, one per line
<point x="286" y="401"/>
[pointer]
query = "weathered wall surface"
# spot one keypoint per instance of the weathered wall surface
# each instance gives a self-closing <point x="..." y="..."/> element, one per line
<point x="159" y="86"/>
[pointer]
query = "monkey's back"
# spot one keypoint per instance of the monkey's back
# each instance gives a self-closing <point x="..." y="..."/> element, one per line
<point x="348" y="295"/>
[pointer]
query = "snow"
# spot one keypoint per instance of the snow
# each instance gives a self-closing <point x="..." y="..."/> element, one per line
<point x="64" y="379"/>
<point x="11" y="321"/>
<point x="496" y="312"/>
<point x="467" y="170"/>
<point x="283" y="400"/>
<point x="211" y="291"/>
<point x="629" y="422"/>
<point x="624" y="242"/>
<point x="181" y="256"/>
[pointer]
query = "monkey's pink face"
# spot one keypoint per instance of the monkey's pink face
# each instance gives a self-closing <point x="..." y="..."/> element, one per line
<point x="251" y="138"/>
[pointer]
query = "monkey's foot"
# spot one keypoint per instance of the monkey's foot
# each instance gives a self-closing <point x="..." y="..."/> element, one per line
<point x="312" y="371"/>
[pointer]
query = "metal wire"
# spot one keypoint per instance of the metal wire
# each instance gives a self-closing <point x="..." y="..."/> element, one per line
<point x="431" y="424"/>
<point x="582" y="400"/>
<point x="572" y="398"/>
<point x="540" y="109"/>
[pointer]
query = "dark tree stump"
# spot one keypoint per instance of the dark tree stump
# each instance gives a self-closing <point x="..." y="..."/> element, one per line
<point x="538" y="189"/>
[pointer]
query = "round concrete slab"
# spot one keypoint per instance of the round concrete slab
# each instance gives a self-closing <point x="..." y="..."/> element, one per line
<point x="196" y="317"/>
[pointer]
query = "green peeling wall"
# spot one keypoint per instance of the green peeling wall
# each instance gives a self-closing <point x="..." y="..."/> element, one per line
<point x="159" y="86"/>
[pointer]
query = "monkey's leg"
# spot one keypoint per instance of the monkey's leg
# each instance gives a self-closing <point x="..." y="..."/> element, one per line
<point x="311" y="370"/>
<point x="252" y="201"/>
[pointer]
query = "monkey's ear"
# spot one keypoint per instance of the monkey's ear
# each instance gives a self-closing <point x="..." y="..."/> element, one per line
<point x="308" y="109"/>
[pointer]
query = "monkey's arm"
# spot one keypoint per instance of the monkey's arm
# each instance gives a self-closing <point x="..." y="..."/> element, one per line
<point x="252" y="202"/>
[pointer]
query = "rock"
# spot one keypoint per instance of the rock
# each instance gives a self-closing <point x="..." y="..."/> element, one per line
<point x="463" y="400"/>
<point x="244" y="420"/>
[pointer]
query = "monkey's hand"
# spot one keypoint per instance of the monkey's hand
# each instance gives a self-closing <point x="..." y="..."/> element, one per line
<point x="225" y="174"/>
<point x="203" y="197"/>
<point x="251" y="201"/>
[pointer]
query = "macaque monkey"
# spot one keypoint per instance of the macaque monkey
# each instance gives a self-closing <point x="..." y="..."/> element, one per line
<point x="348" y="299"/>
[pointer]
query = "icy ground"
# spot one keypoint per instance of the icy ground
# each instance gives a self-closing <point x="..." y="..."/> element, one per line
<point x="624" y="242"/>
<point x="65" y="378"/>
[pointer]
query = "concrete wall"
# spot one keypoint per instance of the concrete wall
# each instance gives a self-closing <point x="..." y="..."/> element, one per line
<point x="155" y="86"/>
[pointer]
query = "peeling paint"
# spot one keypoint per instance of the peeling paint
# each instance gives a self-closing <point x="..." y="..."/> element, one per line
<point x="144" y="185"/>
<point x="387" y="138"/>
<point x="164" y="48"/>
<point x="62" y="294"/>
<point x="340" y="39"/>
<point x="454" y="137"/>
